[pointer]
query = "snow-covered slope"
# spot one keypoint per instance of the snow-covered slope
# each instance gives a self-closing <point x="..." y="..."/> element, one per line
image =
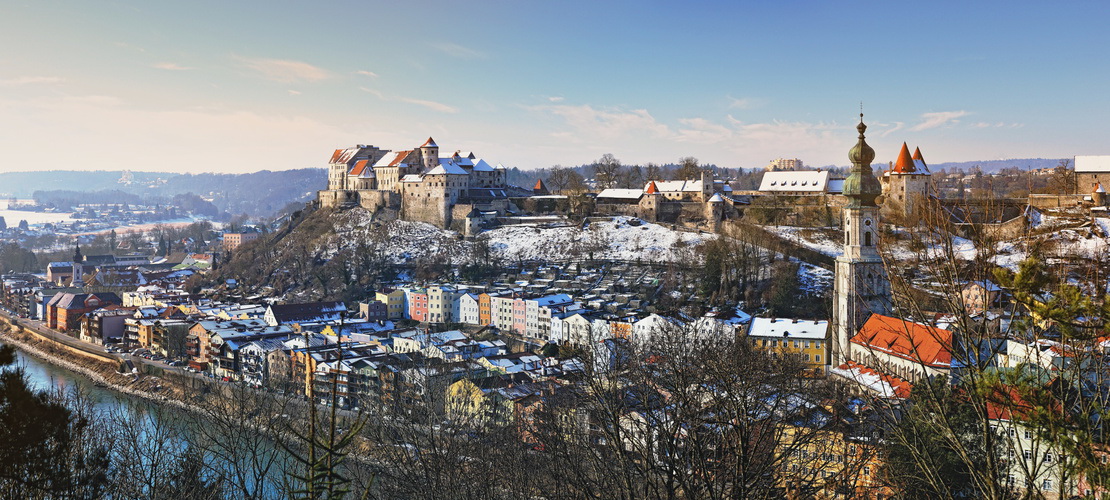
<point x="622" y="238"/>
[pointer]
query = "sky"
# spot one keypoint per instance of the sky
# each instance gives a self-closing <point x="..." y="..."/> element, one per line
<point x="242" y="86"/>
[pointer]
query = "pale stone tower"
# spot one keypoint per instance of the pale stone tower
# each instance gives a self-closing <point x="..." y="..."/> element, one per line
<point x="429" y="152"/>
<point x="907" y="183"/>
<point x="861" y="286"/>
<point x="78" y="279"/>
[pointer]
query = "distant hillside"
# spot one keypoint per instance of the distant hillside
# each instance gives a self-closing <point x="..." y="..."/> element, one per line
<point x="991" y="166"/>
<point x="259" y="193"/>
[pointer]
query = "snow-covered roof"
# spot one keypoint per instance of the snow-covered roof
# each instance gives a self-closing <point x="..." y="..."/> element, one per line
<point x="716" y="199"/>
<point x="1099" y="163"/>
<point x="788" y="328"/>
<point x="678" y="186"/>
<point x="629" y="194"/>
<point x="446" y="166"/>
<point x="811" y="181"/>
<point x="392" y="159"/>
<point x="480" y="165"/>
<point x="411" y="178"/>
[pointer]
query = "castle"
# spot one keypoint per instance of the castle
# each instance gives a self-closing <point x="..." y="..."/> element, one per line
<point x="418" y="182"/>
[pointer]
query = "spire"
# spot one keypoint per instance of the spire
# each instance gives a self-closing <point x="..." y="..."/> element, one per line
<point x="904" y="165"/>
<point x="917" y="155"/>
<point x="77" y="252"/>
<point x="861" y="187"/>
<point x="651" y="188"/>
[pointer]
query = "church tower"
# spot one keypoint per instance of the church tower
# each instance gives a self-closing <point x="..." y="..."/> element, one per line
<point x="78" y="279"/>
<point x="861" y="286"/>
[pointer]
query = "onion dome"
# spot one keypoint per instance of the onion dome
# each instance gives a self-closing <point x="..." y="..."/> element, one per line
<point x="861" y="187"/>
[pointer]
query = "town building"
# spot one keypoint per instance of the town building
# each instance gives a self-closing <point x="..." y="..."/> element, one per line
<point x="234" y="240"/>
<point x="1091" y="171"/>
<point x="806" y="339"/>
<point x="784" y="164"/>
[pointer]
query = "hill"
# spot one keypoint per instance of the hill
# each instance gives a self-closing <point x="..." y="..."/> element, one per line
<point x="260" y="193"/>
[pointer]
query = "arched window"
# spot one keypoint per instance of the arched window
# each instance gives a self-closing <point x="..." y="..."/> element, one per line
<point x="867" y="238"/>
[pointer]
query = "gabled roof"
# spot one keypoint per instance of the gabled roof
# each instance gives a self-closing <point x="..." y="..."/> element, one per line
<point x="393" y="159"/>
<point x="284" y="313"/>
<point x="883" y="385"/>
<point x="1092" y="163"/>
<point x="480" y="165"/>
<point x="623" y="194"/>
<point x="810" y="181"/>
<point x="784" y="328"/>
<point x="678" y="186"/>
<point x="928" y="345"/>
<point x="335" y="156"/>
<point x="446" y="166"/>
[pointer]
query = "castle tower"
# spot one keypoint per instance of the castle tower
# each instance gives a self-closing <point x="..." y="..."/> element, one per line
<point x="906" y="185"/>
<point x="78" y="279"/>
<point x="429" y="152"/>
<point x="861" y="286"/>
<point x="1098" y="197"/>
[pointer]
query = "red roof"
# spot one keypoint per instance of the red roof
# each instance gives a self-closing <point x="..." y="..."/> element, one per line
<point x="429" y="144"/>
<point x="651" y="188"/>
<point x="904" y="165"/>
<point x="401" y="155"/>
<point x="335" y="155"/>
<point x="901" y="386"/>
<point x="917" y="154"/>
<point x="539" y="186"/>
<point x="360" y="166"/>
<point x="929" y="345"/>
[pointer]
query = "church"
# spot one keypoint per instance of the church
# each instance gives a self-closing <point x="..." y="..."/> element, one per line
<point x="866" y="337"/>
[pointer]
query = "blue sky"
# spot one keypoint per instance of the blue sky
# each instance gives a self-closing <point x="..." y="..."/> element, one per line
<point x="206" y="86"/>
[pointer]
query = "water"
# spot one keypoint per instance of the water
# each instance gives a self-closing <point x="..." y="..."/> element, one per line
<point x="152" y="424"/>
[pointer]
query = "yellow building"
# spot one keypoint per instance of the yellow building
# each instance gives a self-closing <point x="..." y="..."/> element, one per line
<point x="829" y="464"/>
<point x="466" y="402"/>
<point x="806" y="338"/>
<point x="394" y="301"/>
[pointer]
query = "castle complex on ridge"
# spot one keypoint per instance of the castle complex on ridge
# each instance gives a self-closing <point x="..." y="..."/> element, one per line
<point x="418" y="182"/>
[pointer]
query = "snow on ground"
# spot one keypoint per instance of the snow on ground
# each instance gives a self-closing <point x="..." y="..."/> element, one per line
<point x="624" y="238"/>
<point x="815" y="280"/>
<point x="816" y="239"/>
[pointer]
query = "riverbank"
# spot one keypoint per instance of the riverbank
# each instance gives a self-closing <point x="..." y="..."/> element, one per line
<point x="102" y="373"/>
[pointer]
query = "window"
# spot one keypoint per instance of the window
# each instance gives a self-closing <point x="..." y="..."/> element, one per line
<point x="1028" y="434"/>
<point x="867" y="238"/>
<point x="1046" y="485"/>
<point x="1027" y="454"/>
<point x="817" y="358"/>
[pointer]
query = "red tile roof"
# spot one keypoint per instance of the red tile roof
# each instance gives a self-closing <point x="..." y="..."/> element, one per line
<point x="651" y="188"/>
<point x="917" y="154"/>
<point x="929" y="345"/>
<point x="360" y="166"/>
<point x="539" y="186"/>
<point x="900" y="386"/>
<point x="904" y="165"/>
<point x="401" y="155"/>
<point x="335" y="156"/>
<point x="429" y="144"/>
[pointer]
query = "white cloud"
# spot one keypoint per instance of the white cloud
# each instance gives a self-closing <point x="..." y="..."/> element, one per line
<point x="456" y="50"/>
<point x="938" y="119"/>
<point x="893" y="128"/>
<point x="285" y="70"/>
<point x="555" y="99"/>
<point x="363" y="72"/>
<point x="171" y="66"/>
<point x="31" y="80"/>
<point x="702" y="131"/>
<point x="373" y="91"/>
<point x="294" y="92"/>
<point x="591" y="123"/>
<point x="432" y="105"/>
<point x="742" y="103"/>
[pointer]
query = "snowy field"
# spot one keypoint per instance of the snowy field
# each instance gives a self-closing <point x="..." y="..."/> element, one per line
<point x="623" y="238"/>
